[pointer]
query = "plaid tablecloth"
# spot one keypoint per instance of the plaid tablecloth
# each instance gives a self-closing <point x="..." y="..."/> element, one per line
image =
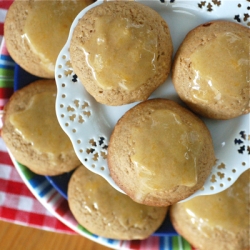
<point x="17" y="203"/>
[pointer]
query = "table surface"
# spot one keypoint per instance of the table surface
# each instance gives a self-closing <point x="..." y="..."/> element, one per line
<point x="18" y="237"/>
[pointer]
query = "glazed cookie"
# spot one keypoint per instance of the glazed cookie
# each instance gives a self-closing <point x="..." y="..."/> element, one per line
<point x="121" y="52"/>
<point x="219" y="221"/>
<point x="106" y="212"/>
<point x="32" y="133"/>
<point x="160" y="153"/>
<point x="211" y="70"/>
<point x="35" y="32"/>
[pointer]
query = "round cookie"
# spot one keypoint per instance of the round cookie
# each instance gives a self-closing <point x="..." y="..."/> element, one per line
<point x="35" y="32"/>
<point x="121" y="52"/>
<point x="32" y="133"/>
<point x="108" y="213"/>
<point x="211" y="70"/>
<point x="160" y="153"/>
<point x="219" y="221"/>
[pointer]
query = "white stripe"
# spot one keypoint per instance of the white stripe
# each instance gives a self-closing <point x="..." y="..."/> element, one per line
<point x="2" y="198"/>
<point x="16" y="201"/>
<point x="3" y="102"/>
<point x="2" y="15"/>
<point x="43" y="185"/>
<point x="27" y="223"/>
<point x="2" y="145"/>
<point x="2" y="43"/>
<point x="56" y="197"/>
<point x="6" y="63"/>
<point x="167" y="243"/>
<point x="180" y="243"/>
<point x="20" y="202"/>
<point x="1" y="120"/>
<point x="5" y="172"/>
<point x="25" y="204"/>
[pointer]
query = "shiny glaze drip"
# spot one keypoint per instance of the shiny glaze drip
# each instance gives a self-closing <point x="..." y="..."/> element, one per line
<point x="165" y="152"/>
<point x="228" y="210"/>
<point x="38" y="125"/>
<point x="221" y="69"/>
<point x="113" y="205"/>
<point x="47" y="26"/>
<point x="120" y="53"/>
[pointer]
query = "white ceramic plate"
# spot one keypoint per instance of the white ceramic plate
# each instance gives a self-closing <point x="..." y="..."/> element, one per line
<point x="89" y="124"/>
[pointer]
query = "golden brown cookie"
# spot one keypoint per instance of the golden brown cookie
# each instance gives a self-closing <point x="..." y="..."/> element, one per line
<point x="211" y="70"/>
<point x="35" y="32"/>
<point x="219" y="221"/>
<point x="121" y="52"/>
<point x="32" y="133"/>
<point x="106" y="212"/>
<point x="160" y="153"/>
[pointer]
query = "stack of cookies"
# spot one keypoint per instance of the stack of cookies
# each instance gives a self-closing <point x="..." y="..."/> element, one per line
<point x="219" y="221"/>
<point x="30" y="29"/>
<point x="121" y="52"/>
<point x="31" y="130"/>
<point x="160" y="152"/>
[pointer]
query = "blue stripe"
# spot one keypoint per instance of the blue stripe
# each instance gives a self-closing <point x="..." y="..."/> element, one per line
<point x="4" y="66"/>
<point x="162" y="243"/>
<point x="6" y="58"/>
<point x="36" y="180"/>
<point x="115" y="243"/>
<point x="3" y="62"/>
<point x="170" y="243"/>
<point x="45" y="190"/>
<point x="165" y="243"/>
<point x="111" y="241"/>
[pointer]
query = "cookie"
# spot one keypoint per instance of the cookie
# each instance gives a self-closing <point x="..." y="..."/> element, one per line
<point x="121" y="52"/>
<point x="219" y="221"/>
<point x="160" y="153"/>
<point x="35" y="32"/>
<point x="211" y="70"/>
<point x="32" y="133"/>
<point x="104" y="211"/>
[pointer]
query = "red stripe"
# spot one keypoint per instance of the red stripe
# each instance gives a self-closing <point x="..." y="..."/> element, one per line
<point x="155" y="242"/>
<point x="37" y="219"/>
<point x="52" y="197"/>
<point x="63" y="208"/>
<point x="33" y="219"/>
<point x="4" y="49"/>
<point x="135" y="244"/>
<point x="5" y="4"/>
<point x="6" y="92"/>
<point x="48" y="221"/>
<point x="7" y="213"/>
<point x="5" y="158"/>
<point x="16" y="188"/>
<point x="1" y="28"/>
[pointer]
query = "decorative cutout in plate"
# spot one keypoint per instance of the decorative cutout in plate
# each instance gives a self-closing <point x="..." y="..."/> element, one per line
<point x="89" y="124"/>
